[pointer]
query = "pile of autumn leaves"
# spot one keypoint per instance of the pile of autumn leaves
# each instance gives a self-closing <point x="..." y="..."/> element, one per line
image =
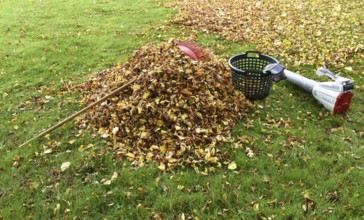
<point x="177" y="113"/>
<point x="308" y="32"/>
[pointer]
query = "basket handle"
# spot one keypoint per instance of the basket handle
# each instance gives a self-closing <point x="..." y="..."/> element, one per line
<point x="253" y="53"/>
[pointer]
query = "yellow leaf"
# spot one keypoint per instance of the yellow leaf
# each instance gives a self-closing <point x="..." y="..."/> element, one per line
<point x="207" y="156"/>
<point x="349" y="68"/>
<point x="33" y="185"/>
<point x="337" y="7"/>
<point x="306" y="195"/>
<point x="120" y="104"/>
<point x="163" y="149"/>
<point x="272" y="202"/>
<point x="47" y="151"/>
<point x="115" y="130"/>
<point x="213" y="159"/>
<point x="149" y="156"/>
<point x="114" y="176"/>
<point x="162" y="167"/>
<point x="144" y="135"/>
<point x="141" y="158"/>
<point x="81" y="148"/>
<point x="201" y="151"/>
<point x="136" y="87"/>
<point x="186" y="92"/>
<point x="101" y="130"/>
<point x="172" y="160"/>
<point x="105" y="135"/>
<point x="65" y="166"/>
<point x="57" y="208"/>
<point x="232" y="166"/>
<point x="160" y="123"/>
<point x="249" y="152"/>
<point x="146" y="95"/>
<point x="5" y="94"/>
<point x="107" y="182"/>
<point x="130" y="155"/>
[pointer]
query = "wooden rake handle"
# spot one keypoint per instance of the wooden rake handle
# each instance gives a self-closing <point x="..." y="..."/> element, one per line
<point x="80" y="112"/>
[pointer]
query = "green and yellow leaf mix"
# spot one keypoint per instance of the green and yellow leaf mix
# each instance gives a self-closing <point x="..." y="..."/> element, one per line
<point x="309" y="32"/>
<point x="177" y="112"/>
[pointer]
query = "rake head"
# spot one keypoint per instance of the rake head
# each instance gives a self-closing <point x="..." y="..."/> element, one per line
<point x="193" y="50"/>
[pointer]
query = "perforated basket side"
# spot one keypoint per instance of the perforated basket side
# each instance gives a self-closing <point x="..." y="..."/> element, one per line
<point x="253" y="85"/>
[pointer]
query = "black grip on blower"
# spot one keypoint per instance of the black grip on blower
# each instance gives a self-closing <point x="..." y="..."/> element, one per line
<point x="348" y="87"/>
<point x="277" y="71"/>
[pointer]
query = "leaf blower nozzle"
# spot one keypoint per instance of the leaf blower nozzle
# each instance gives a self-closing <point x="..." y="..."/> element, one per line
<point x="334" y="95"/>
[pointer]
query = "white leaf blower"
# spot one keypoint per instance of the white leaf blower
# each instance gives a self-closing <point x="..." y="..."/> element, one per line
<point x="334" y="95"/>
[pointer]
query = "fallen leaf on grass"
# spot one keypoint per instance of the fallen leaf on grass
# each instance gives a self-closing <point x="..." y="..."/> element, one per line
<point x="349" y="68"/>
<point x="232" y="166"/>
<point x="113" y="177"/>
<point x="33" y="185"/>
<point x="162" y="167"/>
<point x="249" y="152"/>
<point x="65" y="166"/>
<point x="5" y="95"/>
<point x="57" y="208"/>
<point x="47" y="151"/>
<point x="309" y="205"/>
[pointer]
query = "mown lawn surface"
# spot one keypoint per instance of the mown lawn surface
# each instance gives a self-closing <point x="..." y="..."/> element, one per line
<point x="298" y="160"/>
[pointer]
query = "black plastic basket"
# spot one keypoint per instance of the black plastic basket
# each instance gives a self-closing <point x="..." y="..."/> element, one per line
<point x="248" y="76"/>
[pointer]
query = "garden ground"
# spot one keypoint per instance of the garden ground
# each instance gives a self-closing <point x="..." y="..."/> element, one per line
<point x="294" y="160"/>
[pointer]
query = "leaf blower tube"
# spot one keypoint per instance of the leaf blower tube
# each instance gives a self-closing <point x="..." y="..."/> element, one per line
<point x="334" y="95"/>
<point x="300" y="81"/>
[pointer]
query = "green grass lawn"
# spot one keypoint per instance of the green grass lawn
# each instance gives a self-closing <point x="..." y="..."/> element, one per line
<point x="301" y="151"/>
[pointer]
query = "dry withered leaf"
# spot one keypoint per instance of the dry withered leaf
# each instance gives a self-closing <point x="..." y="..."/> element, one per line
<point x="175" y="114"/>
<point x="65" y="166"/>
